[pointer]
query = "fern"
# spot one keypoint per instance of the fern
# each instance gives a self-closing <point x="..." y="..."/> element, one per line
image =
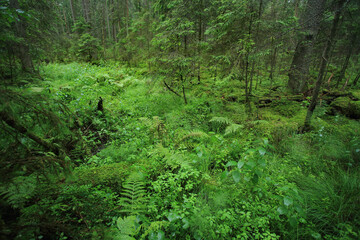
<point x="127" y="228"/>
<point x="186" y="139"/>
<point x="220" y="123"/>
<point x="160" y="151"/>
<point x="20" y="190"/>
<point x="156" y="126"/>
<point x="133" y="196"/>
<point x="224" y="121"/>
<point x="232" y="129"/>
<point x="171" y="158"/>
<point x="193" y="134"/>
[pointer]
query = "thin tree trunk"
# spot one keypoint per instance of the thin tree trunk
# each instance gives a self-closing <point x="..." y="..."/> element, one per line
<point x="127" y="17"/>
<point x="346" y="62"/>
<point x="72" y="11"/>
<point x="325" y="56"/>
<point x="65" y="21"/>
<point x="184" y="96"/>
<point x="272" y="65"/>
<point x="23" y="48"/>
<point x="107" y="20"/>
<point x="356" y="79"/>
<point x="251" y="76"/>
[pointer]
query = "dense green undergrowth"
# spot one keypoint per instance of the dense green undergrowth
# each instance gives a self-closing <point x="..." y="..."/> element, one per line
<point x="151" y="167"/>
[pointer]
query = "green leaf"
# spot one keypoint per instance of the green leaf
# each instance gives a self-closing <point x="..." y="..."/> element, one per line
<point x="240" y="164"/>
<point x="224" y="175"/>
<point x="126" y="225"/>
<point x="262" y="151"/>
<point x="288" y="201"/>
<point x="262" y="162"/>
<point x="236" y="175"/>
<point x="293" y="221"/>
<point x="186" y="223"/>
<point x="160" y="235"/>
<point x="173" y="216"/>
<point x="316" y="235"/>
<point x="251" y="164"/>
<point x="230" y="164"/>
<point x="255" y="178"/>
<point x="282" y="210"/>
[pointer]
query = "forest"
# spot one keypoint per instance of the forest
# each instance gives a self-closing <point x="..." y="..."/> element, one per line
<point x="179" y="119"/>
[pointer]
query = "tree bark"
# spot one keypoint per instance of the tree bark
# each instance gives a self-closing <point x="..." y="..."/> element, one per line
<point x="325" y="56"/>
<point x="346" y="62"/>
<point x="23" y="49"/>
<point x="356" y="79"/>
<point x="72" y="11"/>
<point x="299" y="69"/>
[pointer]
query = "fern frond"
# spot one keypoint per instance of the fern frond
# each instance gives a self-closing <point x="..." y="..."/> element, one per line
<point x="221" y="121"/>
<point x="233" y="128"/>
<point x="156" y="126"/>
<point x="193" y="134"/>
<point x="161" y="151"/>
<point x="133" y="196"/>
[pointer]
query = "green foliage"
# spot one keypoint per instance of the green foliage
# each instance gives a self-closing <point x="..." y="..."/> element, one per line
<point x="112" y="175"/>
<point x="151" y="167"/>
<point x="133" y="195"/>
<point x="19" y="191"/>
<point x="332" y="203"/>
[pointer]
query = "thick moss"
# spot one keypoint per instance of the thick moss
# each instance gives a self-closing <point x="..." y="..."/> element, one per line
<point x="347" y="107"/>
<point x="287" y="108"/>
<point x="355" y="109"/>
<point x="111" y="175"/>
<point x="341" y="103"/>
<point x="356" y="94"/>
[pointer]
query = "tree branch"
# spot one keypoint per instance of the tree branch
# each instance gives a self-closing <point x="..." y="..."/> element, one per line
<point x="168" y="87"/>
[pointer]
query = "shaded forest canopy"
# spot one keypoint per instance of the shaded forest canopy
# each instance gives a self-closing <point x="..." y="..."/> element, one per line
<point x="203" y="119"/>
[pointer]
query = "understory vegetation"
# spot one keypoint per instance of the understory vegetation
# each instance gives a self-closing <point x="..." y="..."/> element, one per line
<point x="178" y="119"/>
<point x="148" y="166"/>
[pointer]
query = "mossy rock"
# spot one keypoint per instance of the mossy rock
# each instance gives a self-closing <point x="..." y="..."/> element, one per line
<point x="111" y="175"/>
<point x="347" y="107"/>
<point x="355" y="109"/>
<point x="356" y="94"/>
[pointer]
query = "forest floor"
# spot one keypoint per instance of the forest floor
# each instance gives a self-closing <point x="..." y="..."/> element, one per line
<point x="150" y="166"/>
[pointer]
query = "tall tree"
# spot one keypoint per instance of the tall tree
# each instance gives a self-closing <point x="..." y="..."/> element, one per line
<point x="310" y="22"/>
<point x="325" y="56"/>
<point x="23" y="49"/>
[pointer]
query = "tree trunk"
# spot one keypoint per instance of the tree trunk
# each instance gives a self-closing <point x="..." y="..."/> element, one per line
<point x="346" y="62"/>
<point x="86" y="10"/>
<point x="299" y="69"/>
<point x="356" y="79"/>
<point x="10" y="121"/>
<point x="325" y="56"/>
<point x="107" y="20"/>
<point x="184" y="96"/>
<point x="72" y="11"/>
<point x="272" y="65"/>
<point x="23" y="49"/>
<point x="127" y="17"/>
